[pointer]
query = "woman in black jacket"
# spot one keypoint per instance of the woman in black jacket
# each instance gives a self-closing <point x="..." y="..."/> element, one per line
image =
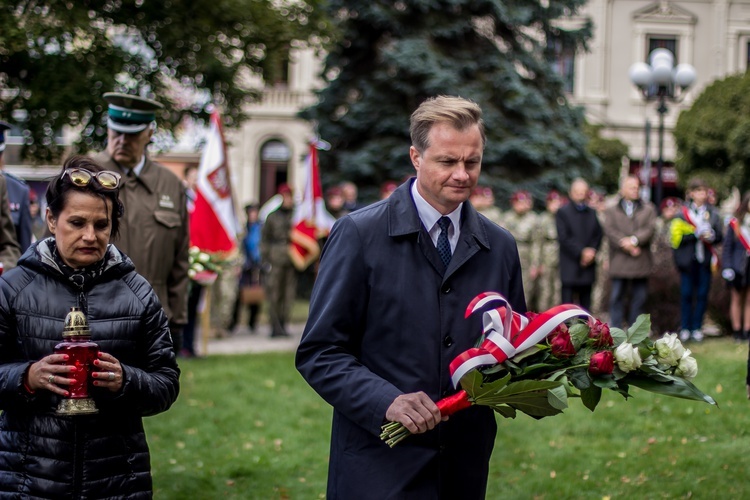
<point x="43" y="454"/>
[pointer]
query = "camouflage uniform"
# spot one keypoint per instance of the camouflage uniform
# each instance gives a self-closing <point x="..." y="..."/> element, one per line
<point x="546" y="256"/>
<point x="281" y="278"/>
<point x="523" y="228"/>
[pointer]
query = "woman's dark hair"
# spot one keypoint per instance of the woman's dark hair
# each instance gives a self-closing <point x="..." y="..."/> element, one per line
<point x="61" y="185"/>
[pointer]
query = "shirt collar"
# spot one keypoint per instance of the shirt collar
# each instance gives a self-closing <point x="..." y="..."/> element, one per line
<point x="138" y="168"/>
<point x="429" y="215"/>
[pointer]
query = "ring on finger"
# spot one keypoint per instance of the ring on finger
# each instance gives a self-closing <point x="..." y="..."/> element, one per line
<point x="111" y="376"/>
<point x="51" y="379"/>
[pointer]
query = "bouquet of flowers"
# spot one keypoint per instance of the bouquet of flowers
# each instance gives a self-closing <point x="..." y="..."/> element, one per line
<point x="534" y="363"/>
<point x="204" y="268"/>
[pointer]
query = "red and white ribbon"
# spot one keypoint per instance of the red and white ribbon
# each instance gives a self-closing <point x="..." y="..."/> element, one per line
<point x="692" y="218"/>
<point x="741" y="232"/>
<point x="507" y="333"/>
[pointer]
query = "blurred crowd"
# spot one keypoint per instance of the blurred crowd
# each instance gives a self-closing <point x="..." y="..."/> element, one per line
<point x="609" y="251"/>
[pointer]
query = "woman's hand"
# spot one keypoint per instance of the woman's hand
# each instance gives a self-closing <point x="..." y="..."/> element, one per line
<point x="50" y="373"/>
<point x="110" y="375"/>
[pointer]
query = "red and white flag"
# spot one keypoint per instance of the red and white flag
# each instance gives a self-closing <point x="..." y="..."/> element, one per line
<point x="213" y="223"/>
<point x="311" y="220"/>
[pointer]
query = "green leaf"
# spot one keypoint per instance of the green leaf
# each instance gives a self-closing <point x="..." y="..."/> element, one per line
<point x="535" y="349"/>
<point x="640" y="330"/>
<point x="471" y="382"/>
<point x="579" y="333"/>
<point x="591" y="397"/>
<point x="482" y="390"/>
<point x="558" y="397"/>
<point x="580" y="378"/>
<point x="605" y="381"/>
<point x="675" y="387"/>
<point x="618" y="336"/>
<point x="505" y="411"/>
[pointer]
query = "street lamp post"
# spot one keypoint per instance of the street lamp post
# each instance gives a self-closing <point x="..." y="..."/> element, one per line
<point x="661" y="81"/>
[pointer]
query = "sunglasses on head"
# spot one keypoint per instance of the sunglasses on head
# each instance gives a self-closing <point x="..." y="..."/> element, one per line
<point x="81" y="177"/>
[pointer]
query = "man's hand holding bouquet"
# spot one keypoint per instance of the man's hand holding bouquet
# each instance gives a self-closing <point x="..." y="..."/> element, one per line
<point x="534" y="363"/>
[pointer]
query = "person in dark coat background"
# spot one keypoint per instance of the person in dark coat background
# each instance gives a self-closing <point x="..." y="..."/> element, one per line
<point x="18" y="198"/>
<point x="387" y="318"/>
<point x="104" y="455"/>
<point x="579" y="234"/>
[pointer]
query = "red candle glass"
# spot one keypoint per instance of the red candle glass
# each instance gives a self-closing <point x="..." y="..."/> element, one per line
<point x="81" y="354"/>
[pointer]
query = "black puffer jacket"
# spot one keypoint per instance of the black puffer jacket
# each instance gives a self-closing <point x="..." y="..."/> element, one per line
<point x="104" y="455"/>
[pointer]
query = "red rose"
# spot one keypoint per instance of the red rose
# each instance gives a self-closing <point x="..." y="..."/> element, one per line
<point x="602" y="363"/>
<point x="599" y="333"/>
<point x="561" y="345"/>
<point x="530" y="315"/>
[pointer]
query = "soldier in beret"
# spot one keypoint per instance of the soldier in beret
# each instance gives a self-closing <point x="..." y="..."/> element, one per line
<point x="522" y="224"/>
<point x="154" y="230"/>
<point x="546" y="253"/>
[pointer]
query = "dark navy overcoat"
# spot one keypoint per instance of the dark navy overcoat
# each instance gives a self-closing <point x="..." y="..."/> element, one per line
<point x="387" y="319"/>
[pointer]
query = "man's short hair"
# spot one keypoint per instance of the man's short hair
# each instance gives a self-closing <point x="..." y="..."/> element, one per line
<point x="459" y="112"/>
<point x="696" y="183"/>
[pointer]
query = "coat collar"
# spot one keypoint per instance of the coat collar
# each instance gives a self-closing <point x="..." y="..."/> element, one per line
<point x="403" y="220"/>
<point x="148" y="176"/>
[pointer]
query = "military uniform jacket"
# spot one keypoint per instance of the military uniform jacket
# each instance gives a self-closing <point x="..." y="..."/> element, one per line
<point x="154" y="232"/>
<point x="10" y="252"/>
<point x="387" y="319"/>
<point x="18" y="198"/>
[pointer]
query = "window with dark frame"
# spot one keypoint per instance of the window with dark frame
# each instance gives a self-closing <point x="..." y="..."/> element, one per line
<point x="563" y="62"/>
<point x="662" y="42"/>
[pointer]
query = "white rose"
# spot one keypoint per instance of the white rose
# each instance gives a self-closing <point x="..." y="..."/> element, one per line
<point x="669" y="349"/>
<point x="687" y="367"/>
<point x="627" y="357"/>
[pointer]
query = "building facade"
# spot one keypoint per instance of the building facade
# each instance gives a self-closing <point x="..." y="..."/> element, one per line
<point x="711" y="35"/>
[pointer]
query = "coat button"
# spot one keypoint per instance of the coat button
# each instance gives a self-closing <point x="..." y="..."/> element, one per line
<point x="448" y="341"/>
<point x="447" y="289"/>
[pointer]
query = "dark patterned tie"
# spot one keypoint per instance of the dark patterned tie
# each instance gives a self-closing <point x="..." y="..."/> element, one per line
<point x="443" y="245"/>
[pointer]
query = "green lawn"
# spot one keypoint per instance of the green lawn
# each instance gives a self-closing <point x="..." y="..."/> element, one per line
<point x="248" y="426"/>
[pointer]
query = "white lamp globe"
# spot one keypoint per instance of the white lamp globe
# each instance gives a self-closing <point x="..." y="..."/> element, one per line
<point x="684" y="75"/>
<point x="640" y="74"/>
<point x="661" y="55"/>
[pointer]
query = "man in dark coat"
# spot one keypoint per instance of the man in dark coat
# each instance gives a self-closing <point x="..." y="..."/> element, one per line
<point x="579" y="234"/>
<point x="387" y="318"/>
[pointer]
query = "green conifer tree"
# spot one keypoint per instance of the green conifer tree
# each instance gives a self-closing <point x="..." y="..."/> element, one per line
<point x="392" y="55"/>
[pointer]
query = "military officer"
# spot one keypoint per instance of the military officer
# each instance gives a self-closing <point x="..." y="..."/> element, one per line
<point x="547" y="253"/>
<point x="18" y="198"/>
<point x="522" y="223"/>
<point x="154" y="229"/>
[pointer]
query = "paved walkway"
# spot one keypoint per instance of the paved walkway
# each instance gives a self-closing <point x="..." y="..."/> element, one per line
<point x="243" y="341"/>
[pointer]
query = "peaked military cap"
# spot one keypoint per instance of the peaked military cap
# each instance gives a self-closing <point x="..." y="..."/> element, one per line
<point x="3" y="127"/>
<point x="130" y="114"/>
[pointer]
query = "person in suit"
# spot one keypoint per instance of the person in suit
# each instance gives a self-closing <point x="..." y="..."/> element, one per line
<point x="629" y="226"/>
<point x="18" y="198"/>
<point x="154" y="231"/>
<point x="579" y="234"/>
<point x="387" y="318"/>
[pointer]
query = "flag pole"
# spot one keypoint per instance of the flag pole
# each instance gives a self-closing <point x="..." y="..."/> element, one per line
<point x="205" y="318"/>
